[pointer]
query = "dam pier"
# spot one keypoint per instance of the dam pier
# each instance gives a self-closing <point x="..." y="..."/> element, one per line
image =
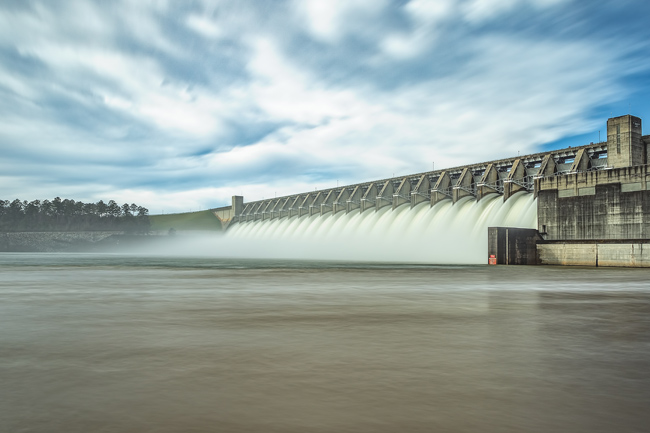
<point x="592" y="202"/>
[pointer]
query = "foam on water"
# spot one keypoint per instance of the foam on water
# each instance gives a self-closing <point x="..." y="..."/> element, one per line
<point x="445" y="233"/>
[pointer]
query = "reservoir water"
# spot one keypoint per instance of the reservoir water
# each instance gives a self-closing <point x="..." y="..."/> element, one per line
<point x="143" y="343"/>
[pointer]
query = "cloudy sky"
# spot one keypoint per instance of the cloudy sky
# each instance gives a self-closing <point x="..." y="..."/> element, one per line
<point x="178" y="105"/>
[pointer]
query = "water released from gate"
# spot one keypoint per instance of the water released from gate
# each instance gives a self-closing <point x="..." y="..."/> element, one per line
<point x="445" y="233"/>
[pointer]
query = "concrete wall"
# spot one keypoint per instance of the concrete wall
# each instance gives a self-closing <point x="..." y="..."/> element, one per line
<point x="614" y="211"/>
<point x="513" y="246"/>
<point x="580" y="184"/>
<point x="223" y="213"/>
<point x="625" y="147"/>
<point x="594" y="254"/>
<point x="227" y="213"/>
<point x="600" y="218"/>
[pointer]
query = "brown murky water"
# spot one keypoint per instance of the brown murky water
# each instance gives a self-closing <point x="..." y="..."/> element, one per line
<point x="109" y="343"/>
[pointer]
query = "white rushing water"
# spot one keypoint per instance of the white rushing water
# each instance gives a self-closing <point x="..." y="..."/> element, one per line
<point x="444" y="234"/>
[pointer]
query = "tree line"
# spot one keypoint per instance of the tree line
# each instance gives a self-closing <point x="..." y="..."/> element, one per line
<point x="70" y="215"/>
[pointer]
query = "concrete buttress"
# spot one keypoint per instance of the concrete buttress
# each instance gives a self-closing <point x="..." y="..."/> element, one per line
<point x="515" y="180"/>
<point x="340" y="201"/>
<point x="328" y="203"/>
<point x="489" y="183"/>
<point x="370" y="197"/>
<point x="442" y="189"/>
<point x="385" y="196"/>
<point x="314" y="206"/>
<point x="464" y="186"/>
<point x="266" y="210"/>
<point x="294" y="206"/>
<point x="354" y="201"/>
<point x="402" y="194"/>
<point x="581" y="162"/>
<point x="303" y="209"/>
<point x="421" y="192"/>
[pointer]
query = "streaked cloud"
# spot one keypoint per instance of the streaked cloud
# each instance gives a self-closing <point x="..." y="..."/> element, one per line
<point x="180" y="105"/>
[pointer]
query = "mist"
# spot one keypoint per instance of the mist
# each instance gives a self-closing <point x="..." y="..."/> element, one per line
<point x="446" y="233"/>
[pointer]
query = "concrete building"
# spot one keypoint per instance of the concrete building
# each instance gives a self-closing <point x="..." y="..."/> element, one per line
<point x="600" y="218"/>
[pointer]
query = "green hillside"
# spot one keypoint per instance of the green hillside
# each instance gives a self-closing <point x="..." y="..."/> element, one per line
<point x="201" y="220"/>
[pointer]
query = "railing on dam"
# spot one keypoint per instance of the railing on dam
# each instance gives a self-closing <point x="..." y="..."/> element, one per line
<point x="504" y="177"/>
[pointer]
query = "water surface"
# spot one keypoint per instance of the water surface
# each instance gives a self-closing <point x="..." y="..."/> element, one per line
<point x="125" y="343"/>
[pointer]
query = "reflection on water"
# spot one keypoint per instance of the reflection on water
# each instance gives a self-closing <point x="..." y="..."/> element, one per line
<point x="108" y="343"/>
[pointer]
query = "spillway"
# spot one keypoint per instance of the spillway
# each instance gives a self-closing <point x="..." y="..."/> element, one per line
<point x="446" y="233"/>
<point x="586" y="205"/>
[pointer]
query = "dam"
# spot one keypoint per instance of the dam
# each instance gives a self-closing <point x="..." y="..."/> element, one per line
<point x="585" y="205"/>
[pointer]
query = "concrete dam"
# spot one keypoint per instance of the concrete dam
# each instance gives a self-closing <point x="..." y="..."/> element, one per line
<point x="586" y="205"/>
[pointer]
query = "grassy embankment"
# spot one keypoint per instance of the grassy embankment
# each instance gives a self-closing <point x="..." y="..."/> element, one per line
<point x="201" y="220"/>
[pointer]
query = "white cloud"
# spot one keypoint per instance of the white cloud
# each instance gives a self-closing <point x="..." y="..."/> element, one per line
<point x="476" y="11"/>
<point x="406" y="46"/>
<point x="430" y="11"/>
<point x="429" y="18"/>
<point x="204" y="26"/>
<point x="491" y="109"/>
<point x="286" y="92"/>
<point x="171" y="202"/>
<point x="482" y="10"/>
<point x="426" y="16"/>
<point x="329" y="20"/>
<point x="137" y="86"/>
<point x="264" y="117"/>
<point x="323" y="16"/>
